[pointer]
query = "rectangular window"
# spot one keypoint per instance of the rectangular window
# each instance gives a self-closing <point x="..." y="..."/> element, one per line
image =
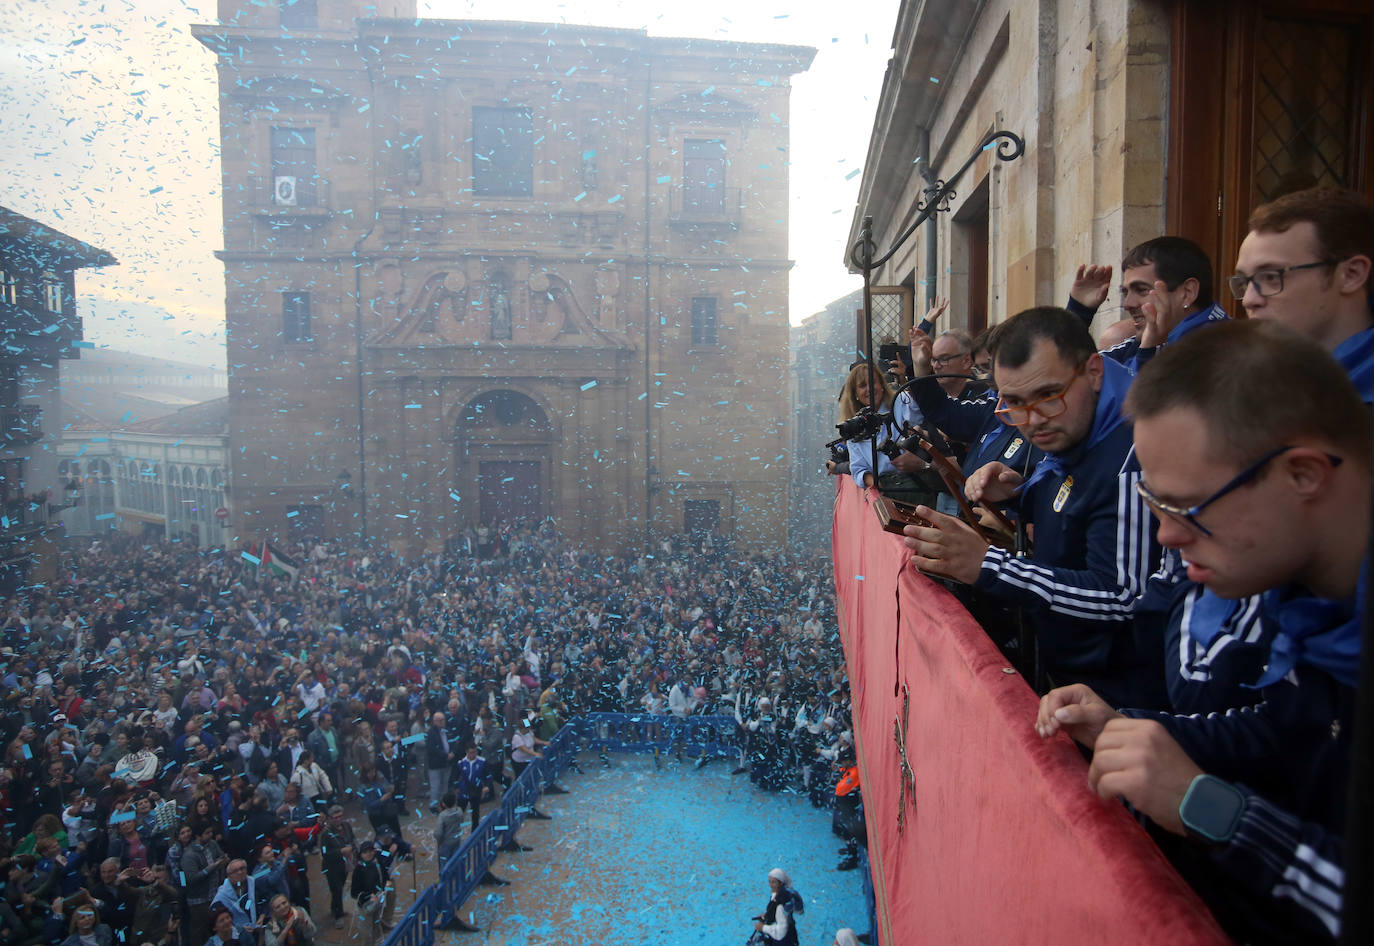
<point x="295" y="178"/>
<point x="703" y="175"/>
<point x="9" y="287"/>
<point x="295" y="316"/>
<point x="704" y="321"/>
<point x="502" y="151"/>
<point x="52" y="293"/>
<point x="300" y="14"/>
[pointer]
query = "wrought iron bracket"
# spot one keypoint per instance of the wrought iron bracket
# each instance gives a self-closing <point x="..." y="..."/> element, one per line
<point x="935" y="198"/>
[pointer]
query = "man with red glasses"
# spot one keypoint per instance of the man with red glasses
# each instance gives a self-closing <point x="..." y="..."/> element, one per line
<point x="1260" y="477"/>
<point x="1093" y="552"/>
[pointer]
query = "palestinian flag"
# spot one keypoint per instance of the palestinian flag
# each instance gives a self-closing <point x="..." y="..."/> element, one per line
<point x="276" y="563"/>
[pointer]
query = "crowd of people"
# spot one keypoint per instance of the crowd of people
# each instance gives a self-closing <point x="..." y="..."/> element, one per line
<point x="1188" y="506"/>
<point x="187" y="739"/>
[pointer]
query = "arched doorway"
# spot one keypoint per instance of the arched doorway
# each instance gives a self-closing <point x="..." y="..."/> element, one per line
<point x="504" y="441"/>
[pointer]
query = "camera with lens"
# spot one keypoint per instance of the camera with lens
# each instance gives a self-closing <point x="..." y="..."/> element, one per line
<point x="864" y="424"/>
<point x="838" y="453"/>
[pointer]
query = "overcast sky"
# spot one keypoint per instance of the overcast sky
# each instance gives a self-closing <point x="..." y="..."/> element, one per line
<point x="110" y="133"/>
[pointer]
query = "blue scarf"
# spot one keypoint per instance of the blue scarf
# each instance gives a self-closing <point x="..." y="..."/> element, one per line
<point x="1315" y="632"/>
<point x="1210" y="614"/>
<point x="1116" y="381"/>
<point x="1356" y="355"/>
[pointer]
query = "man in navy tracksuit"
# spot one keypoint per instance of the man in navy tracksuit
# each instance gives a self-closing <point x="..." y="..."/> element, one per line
<point x="1260" y="477"/>
<point x="1166" y="290"/>
<point x="1306" y="264"/>
<point x="475" y="778"/>
<point x="1093" y="552"/>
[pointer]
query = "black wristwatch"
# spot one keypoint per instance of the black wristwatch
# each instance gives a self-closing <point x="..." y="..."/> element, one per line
<point x="1211" y="809"/>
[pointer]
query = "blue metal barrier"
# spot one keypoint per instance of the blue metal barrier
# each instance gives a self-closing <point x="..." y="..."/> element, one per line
<point x="615" y="732"/>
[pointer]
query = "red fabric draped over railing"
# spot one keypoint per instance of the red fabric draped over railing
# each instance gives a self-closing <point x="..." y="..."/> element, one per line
<point x="1004" y="842"/>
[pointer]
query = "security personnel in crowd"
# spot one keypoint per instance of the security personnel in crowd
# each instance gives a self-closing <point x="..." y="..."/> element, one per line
<point x="848" y="819"/>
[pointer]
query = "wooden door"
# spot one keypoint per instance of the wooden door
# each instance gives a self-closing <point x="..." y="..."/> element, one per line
<point x="1265" y="98"/>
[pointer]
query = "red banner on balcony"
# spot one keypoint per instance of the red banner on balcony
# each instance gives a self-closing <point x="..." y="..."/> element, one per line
<point x="978" y="831"/>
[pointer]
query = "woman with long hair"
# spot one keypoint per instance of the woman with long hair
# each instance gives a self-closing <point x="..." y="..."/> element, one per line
<point x="865" y="387"/>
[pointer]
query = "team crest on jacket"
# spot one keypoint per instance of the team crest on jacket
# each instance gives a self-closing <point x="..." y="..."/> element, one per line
<point x="1063" y="495"/>
<point x="1010" y="452"/>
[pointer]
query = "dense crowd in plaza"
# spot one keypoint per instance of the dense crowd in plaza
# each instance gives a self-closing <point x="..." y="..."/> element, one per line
<point x="182" y="733"/>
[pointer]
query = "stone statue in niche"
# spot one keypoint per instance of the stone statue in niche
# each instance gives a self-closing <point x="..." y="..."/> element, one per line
<point x="500" y="303"/>
<point x="607" y="289"/>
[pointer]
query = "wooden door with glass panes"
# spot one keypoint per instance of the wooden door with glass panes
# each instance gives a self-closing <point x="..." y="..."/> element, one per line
<point x="1265" y="99"/>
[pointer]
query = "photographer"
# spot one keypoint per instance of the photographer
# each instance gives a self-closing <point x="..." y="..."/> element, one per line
<point x="898" y="478"/>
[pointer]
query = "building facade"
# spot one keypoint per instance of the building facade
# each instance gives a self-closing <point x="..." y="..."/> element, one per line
<point x="1140" y="118"/>
<point x="166" y="477"/>
<point x="40" y="326"/>
<point x="480" y="271"/>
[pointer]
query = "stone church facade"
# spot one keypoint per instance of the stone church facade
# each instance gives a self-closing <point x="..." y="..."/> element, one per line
<point x="481" y="271"/>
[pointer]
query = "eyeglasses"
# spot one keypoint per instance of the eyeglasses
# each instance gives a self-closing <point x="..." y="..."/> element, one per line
<point x="1188" y="515"/>
<point x="939" y="361"/>
<point x="1047" y="407"/>
<point x="1269" y="282"/>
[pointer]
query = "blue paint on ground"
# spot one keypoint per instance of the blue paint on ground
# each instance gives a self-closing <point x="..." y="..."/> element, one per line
<point x="680" y="855"/>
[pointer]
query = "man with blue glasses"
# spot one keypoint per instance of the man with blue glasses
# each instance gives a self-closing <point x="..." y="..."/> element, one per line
<point x="1260" y="478"/>
<point x="1305" y="264"/>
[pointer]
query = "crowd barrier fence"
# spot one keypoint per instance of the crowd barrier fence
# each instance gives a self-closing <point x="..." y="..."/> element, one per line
<point x="459" y="877"/>
<point x="978" y="830"/>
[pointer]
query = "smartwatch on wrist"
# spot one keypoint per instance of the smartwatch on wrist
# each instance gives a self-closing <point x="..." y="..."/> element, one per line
<point x="1211" y="809"/>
